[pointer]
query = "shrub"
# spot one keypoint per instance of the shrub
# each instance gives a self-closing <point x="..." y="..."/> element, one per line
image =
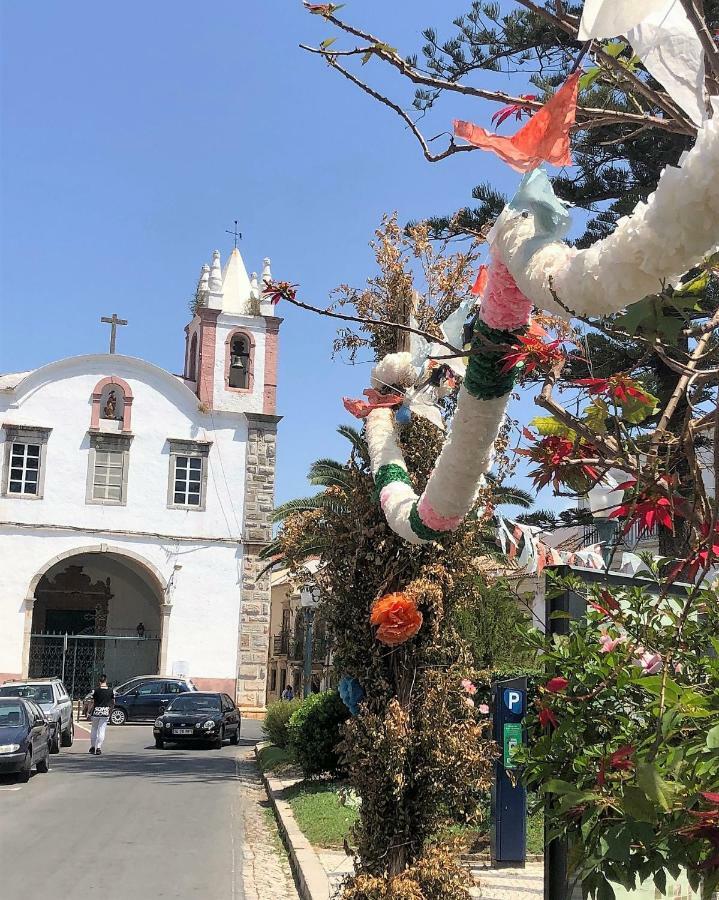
<point x="277" y="720"/>
<point x="314" y="731"/>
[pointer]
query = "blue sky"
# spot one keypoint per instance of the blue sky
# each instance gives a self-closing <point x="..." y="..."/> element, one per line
<point x="133" y="136"/>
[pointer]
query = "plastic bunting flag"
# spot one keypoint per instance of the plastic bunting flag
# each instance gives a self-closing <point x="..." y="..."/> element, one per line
<point x="545" y="137"/>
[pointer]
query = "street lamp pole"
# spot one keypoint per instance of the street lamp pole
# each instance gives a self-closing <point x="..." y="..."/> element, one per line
<point x="309" y="598"/>
<point x="603" y="498"/>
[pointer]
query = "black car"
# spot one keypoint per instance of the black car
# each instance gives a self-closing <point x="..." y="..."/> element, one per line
<point x="148" y="699"/>
<point x="24" y="738"/>
<point x="199" y="716"/>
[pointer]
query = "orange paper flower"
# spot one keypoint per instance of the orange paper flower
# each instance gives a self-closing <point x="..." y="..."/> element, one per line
<point x="397" y="618"/>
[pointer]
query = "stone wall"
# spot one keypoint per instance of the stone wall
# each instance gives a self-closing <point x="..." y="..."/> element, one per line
<point x="255" y="609"/>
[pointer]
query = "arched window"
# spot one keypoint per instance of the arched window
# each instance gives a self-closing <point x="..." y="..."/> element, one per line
<point x="239" y="375"/>
<point x="192" y="367"/>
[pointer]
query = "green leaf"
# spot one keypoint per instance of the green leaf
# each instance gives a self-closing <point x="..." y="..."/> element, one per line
<point x="615" y="49"/>
<point x="547" y="425"/>
<point x="654" y="786"/>
<point x="695" y="287"/>
<point x="605" y="891"/>
<point x="557" y="786"/>
<point x="636" y="804"/>
<point x="327" y="42"/>
<point x="648" y="318"/>
<point x="589" y="77"/>
<point x="366" y="57"/>
<point x="596" y="414"/>
<point x="713" y="738"/>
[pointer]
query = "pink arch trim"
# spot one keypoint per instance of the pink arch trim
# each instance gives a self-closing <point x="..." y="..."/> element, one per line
<point x="126" y="406"/>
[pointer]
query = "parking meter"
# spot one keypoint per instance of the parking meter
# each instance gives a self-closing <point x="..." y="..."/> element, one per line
<point x="509" y="801"/>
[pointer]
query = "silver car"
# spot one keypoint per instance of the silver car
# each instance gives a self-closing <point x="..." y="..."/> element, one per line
<point x="52" y="698"/>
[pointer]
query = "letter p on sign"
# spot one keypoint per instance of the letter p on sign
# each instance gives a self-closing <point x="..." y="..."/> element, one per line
<point x="514" y="701"/>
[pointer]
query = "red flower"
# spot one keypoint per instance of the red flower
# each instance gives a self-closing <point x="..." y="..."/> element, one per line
<point x="513" y="108"/>
<point x="279" y="290"/>
<point x="700" y="558"/>
<point x="548" y="717"/>
<point x="556" y="685"/>
<point x="610" y="604"/>
<point x="649" y="508"/>
<point x="532" y="353"/>
<point x="619" y="760"/>
<point x="619" y="388"/>
<point x="552" y="453"/>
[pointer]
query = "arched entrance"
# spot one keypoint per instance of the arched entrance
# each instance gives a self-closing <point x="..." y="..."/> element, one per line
<point x="97" y="610"/>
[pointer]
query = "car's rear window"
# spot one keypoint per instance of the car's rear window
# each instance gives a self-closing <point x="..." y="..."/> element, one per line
<point x="40" y="693"/>
<point x="12" y="715"/>
<point x="192" y="703"/>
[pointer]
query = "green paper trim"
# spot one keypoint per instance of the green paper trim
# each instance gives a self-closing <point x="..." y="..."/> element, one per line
<point x="420" y="529"/>
<point x="483" y="378"/>
<point x="388" y="474"/>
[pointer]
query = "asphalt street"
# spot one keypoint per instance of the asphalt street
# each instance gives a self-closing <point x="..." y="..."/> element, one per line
<point x="134" y="824"/>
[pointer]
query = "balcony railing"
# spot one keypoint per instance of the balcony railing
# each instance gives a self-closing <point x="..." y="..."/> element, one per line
<point x="320" y="648"/>
<point x="281" y="644"/>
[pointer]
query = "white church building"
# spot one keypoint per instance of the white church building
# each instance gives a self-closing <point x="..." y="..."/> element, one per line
<point x="134" y="504"/>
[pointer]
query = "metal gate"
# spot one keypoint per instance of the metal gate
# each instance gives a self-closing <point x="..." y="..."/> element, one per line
<point x="80" y="659"/>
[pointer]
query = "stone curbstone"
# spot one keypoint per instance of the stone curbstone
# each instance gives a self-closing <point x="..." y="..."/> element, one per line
<point x="310" y="877"/>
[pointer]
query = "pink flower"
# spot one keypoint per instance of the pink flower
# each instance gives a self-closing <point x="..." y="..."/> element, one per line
<point x="468" y="686"/>
<point x="650" y="663"/>
<point x="608" y="643"/>
<point x="484" y="709"/>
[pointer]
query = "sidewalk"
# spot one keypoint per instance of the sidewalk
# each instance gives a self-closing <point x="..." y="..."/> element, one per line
<point x="319" y="873"/>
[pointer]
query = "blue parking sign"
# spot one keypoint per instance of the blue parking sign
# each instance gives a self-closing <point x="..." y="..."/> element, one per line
<point x="514" y="701"/>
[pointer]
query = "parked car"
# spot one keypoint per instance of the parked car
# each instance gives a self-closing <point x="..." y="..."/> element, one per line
<point x="128" y="686"/>
<point x="24" y="737"/>
<point x="55" y="702"/>
<point x="145" y="700"/>
<point x="199" y="716"/>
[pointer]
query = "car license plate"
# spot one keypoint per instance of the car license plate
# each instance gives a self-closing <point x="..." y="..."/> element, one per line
<point x="182" y="731"/>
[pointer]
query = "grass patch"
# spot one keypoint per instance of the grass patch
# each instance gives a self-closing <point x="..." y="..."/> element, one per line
<point x="476" y="838"/>
<point x="324" y="821"/>
<point x="275" y="759"/>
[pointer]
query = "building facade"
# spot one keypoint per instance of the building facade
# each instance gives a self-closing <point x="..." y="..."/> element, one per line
<point x="286" y="649"/>
<point x="134" y="504"/>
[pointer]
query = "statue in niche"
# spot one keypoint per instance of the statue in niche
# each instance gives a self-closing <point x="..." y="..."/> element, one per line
<point x="110" y="409"/>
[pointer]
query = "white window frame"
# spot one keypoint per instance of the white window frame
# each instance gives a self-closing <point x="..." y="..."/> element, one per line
<point x="191" y="450"/>
<point x="28" y="436"/>
<point x="108" y="443"/>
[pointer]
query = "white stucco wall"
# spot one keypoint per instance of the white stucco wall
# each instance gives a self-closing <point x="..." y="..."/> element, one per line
<point x="205" y="592"/>
<point x="58" y="396"/>
<point x="230" y="400"/>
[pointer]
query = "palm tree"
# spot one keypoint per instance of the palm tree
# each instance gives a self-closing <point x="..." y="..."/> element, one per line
<point x="331" y="475"/>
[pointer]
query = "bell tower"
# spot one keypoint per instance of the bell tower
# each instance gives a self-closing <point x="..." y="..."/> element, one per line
<point x="231" y="342"/>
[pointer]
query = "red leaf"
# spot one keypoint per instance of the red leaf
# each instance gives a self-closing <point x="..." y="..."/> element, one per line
<point x="548" y="717"/>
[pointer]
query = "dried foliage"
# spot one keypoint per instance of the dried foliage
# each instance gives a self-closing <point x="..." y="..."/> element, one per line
<point x="419" y="756"/>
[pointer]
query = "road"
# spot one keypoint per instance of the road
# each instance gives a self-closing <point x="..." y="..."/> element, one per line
<point x="134" y="824"/>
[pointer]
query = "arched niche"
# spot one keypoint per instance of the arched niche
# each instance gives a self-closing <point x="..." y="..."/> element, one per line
<point x="111" y="402"/>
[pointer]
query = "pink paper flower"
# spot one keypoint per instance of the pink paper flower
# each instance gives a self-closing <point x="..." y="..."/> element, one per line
<point x="468" y="686"/>
<point x="484" y="709"/>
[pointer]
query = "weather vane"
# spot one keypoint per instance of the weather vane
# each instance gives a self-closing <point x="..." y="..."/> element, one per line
<point x="235" y="233"/>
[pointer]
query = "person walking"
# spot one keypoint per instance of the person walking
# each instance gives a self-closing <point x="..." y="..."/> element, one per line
<point x="103" y="699"/>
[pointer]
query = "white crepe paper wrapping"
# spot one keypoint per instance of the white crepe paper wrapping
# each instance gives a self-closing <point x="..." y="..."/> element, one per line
<point x="672" y="232"/>
<point x="454" y="483"/>
<point x="663" y="38"/>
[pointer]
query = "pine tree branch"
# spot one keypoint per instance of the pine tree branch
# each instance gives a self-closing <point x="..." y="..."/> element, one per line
<point x="587" y="117"/>
<point x="654" y="97"/>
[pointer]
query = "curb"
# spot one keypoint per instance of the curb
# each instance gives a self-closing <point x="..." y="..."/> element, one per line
<point x="310" y="877"/>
